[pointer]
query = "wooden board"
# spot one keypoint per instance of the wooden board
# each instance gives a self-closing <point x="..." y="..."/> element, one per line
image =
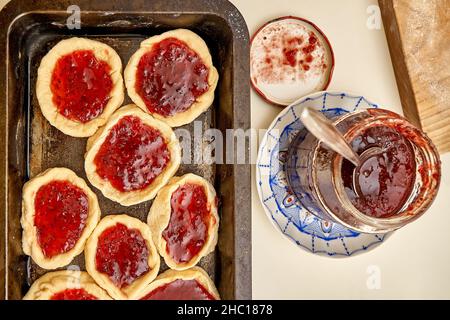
<point x="418" y="33"/>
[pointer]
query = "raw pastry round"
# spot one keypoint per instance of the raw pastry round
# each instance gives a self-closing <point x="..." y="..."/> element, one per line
<point x="54" y="282"/>
<point x="44" y="93"/>
<point x="29" y="237"/>
<point x="202" y="103"/>
<point x="132" y="197"/>
<point x="195" y="273"/>
<point x="130" y="291"/>
<point x="159" y="218"/>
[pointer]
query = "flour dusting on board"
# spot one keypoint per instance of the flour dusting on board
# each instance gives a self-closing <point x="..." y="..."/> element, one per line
<point x="429" y="48"/>
<point x="425" y="29"/>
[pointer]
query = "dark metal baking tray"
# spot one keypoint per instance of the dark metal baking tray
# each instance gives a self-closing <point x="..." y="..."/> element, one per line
<point x="31" y="145"/>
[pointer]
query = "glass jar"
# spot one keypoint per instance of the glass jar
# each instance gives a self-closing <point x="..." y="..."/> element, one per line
<point x="323" y="183"/>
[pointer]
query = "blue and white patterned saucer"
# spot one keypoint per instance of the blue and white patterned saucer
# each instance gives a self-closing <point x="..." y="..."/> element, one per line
<point x="295" y="222"/>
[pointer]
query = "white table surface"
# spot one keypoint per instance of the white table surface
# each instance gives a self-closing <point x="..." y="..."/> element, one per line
<point x="415" y="261"/>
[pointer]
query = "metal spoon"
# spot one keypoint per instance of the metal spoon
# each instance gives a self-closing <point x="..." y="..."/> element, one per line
<point x="324" y="130"/>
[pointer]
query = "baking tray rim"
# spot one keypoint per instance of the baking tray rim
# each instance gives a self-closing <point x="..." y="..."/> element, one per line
<point x="17" y="9"/>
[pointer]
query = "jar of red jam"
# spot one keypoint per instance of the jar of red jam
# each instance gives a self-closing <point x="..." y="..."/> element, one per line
<point x="394" y="184"/>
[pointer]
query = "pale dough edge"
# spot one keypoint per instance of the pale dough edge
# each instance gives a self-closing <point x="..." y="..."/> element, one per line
<point x="159" y="217"/>
<point x="169" y="275"/>
<point x="53" y="282"/>
<point x="102" y="279"/>
<point x="202" y="103"/>
<point x="29" y="236"/>
<point x="132" y="197"/>
<point x="45" y="96"/>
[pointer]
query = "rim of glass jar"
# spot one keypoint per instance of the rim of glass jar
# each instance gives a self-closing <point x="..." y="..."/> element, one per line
<point x="406" y="215"/>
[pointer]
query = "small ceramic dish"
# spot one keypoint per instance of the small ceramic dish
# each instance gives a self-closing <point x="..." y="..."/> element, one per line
<point x="290" y="57"/>
<point x="287" y="215"/>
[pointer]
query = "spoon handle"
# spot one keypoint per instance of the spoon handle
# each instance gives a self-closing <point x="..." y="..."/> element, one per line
<point x="324" y="130"/>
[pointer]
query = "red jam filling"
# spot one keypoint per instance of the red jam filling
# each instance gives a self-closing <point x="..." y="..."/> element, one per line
<point x="180" y="290"/>
<point x="81" y="85"/>
<point x="170" y="77"/>
<point x="122" y="254"/>
<point x="187" y="231"/>
<point x="132" y="155"/>
<point x="384" y="180"/>
<point x="61" y="211"/>
<point x="73" y="294"/>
